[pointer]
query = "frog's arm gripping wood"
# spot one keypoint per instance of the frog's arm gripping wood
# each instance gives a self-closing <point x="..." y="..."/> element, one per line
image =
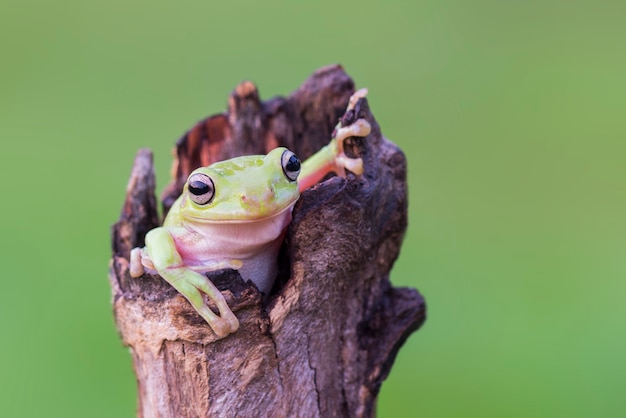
<point x="327" y="337"/>
<point x="332" y="158"/>
<point x="169" y="264"/>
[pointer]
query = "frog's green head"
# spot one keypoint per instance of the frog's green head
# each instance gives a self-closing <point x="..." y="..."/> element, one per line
<point x="245" y="188"/>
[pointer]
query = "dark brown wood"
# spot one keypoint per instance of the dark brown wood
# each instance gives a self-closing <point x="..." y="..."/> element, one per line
<point x="326" y="338"/>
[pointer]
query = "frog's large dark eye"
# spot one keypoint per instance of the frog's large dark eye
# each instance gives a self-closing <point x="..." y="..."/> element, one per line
<point x="201" y="189"/>
<point x="291" y="165"/>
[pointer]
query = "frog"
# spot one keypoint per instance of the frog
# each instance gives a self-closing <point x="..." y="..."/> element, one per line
<point x="234" y="214"/>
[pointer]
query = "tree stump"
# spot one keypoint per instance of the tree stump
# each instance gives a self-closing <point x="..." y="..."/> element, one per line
<point x="323" y="341"/>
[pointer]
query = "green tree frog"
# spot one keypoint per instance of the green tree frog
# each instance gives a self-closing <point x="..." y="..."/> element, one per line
<point x="234" y="214"/>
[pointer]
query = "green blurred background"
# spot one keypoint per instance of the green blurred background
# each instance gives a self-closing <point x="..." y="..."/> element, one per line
<point x="512" y="118"/>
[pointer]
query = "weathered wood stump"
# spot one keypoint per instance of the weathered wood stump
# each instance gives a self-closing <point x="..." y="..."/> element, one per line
<point x="322" y="343"/>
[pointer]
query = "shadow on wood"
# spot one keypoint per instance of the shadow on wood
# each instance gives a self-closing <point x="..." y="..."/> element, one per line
<point x="326" y="337"/>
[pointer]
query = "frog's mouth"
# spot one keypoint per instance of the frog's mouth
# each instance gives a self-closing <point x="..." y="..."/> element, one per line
<point x="242" y="219"/>
<point x="242" y="236"/>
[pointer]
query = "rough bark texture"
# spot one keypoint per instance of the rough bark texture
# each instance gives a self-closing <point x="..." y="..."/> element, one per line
<point x="326" y="338"/>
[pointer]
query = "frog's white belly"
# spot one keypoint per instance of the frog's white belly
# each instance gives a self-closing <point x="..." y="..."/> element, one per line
<point x="211" y="246"/>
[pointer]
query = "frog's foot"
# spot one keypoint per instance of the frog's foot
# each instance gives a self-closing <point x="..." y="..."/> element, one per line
<point x="192" y="287"/>
<point x="360" y="127"/>
<point x="140" y="263"/>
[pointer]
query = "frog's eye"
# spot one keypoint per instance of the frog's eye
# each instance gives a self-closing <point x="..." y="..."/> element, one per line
<point x="291" y="165"/>
<point x="201" y="188"/>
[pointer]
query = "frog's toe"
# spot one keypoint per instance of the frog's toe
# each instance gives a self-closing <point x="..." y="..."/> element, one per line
<point x="233" y="323"/>
<point x="136" y="266"/>
<point x="359" y="94"/>
<point x="235" y="264"/>
<point x="360" y="127"/>
<point x="355" y="165"/>
<point x="223" y="326"/>
<point x="228" y="319"/>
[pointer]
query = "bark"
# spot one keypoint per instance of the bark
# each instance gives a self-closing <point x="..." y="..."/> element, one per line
<point x="326" y="338"/>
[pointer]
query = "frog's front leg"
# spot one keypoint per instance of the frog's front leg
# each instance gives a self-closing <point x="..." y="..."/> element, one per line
<point x="332" y="157"/>
<point x="169" y="264"/>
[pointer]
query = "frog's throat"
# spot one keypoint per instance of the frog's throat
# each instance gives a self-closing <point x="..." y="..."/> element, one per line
<point x="198" y="219"/>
